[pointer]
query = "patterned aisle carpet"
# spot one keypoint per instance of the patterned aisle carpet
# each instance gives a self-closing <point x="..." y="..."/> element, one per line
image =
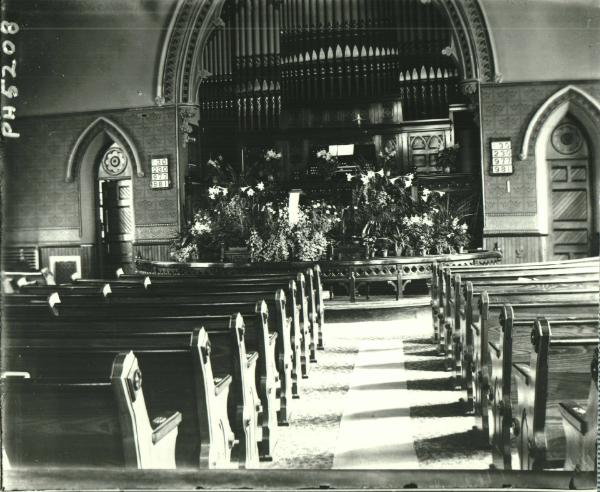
<point x="443" y="436"/>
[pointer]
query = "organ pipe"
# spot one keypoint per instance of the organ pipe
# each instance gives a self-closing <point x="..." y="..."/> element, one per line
<point x="302" y="52"/>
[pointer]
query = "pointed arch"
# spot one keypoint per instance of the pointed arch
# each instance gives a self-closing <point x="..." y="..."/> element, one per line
<point x="115" y="132"/>
<point x="571" y="95"/>
<point x="585" y="109"/>
<point x="193" y="22"/>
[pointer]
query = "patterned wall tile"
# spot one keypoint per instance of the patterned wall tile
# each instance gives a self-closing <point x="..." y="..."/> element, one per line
<point x="505" y="112"/>
<point x="37" y="196"/>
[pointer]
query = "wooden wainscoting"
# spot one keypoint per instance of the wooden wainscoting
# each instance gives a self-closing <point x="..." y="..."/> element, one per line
<point x="152" y="250"/>
<point x="85" y="252"/>
<point x="518" y="248"/>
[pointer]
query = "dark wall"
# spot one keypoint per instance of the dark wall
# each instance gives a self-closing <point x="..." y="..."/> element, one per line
<point x="85" y="55"/>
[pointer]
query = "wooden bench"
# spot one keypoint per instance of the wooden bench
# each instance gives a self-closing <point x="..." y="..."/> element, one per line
<point x="484" y="325"/>
<point x="91" y="412"/>
<point x="12" y="281"/>
<point x="303" y="333"/>
<point x="309" y="295"/>
<point x="455" y="336"/>
<point x="297" y="303"/>
<point x="559" y="370"/>
<point x="286" y="356"/>
<point x="441" y="272"/>
<point x="513" y="347"/>
<point x="155" y="317"/>
<point x="251" y="273"/>
<point x="228" y="356"/>
<point x="580" y="424"/>
<point x="454" y="315"/>
<point x="79" y="294"/>
<point x="450" y="294"/>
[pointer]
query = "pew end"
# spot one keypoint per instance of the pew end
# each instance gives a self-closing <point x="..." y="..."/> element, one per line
<point x="78" y="420"/>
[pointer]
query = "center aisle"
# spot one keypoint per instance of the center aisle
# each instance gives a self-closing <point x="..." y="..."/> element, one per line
<point x="375" y="428"/>
<point x="379" y="397"/>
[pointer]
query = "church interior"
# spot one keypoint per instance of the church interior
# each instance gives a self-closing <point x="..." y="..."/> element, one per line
<point x="300" y="243"/>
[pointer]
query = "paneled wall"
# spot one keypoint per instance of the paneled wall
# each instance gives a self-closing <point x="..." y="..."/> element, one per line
<point x="511" y="211"/>
<point x="42" y="209"/>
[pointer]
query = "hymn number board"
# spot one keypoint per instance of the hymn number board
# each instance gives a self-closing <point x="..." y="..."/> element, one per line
<point x="501" y="158"/>
<point x="159" y="168"/>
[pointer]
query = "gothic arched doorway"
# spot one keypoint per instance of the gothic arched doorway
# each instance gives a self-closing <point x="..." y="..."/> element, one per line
<point x="571" y="191"/>
<point x="115" y="223"/>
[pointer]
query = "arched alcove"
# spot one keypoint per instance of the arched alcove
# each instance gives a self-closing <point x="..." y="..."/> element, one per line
<point x="110" y="129"/>
<point x="585" y="111"/>
<point x="84" y="168"/>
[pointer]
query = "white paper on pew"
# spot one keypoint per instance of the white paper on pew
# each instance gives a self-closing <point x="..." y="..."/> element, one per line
<point x="526" y="279"/>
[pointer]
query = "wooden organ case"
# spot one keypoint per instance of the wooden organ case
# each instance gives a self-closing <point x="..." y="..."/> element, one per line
<point x="295" y="75"/>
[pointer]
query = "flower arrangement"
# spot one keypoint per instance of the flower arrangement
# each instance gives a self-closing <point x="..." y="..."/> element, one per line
<point x="419" y="231"/>
<point x="310" y="235"/>
<point x="271" y="242"/>
<point x="379" y="202"/>
<point x="272" y="155"/>
<point x="447" y="156"/>
<point x="244" y="210"/>
<point x="197" y="240"/>
<point x="326" y="164"/>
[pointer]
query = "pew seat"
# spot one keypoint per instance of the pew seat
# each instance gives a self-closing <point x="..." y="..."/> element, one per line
<point x="93" y="414"/>
<point x="580" y="424"/>
<point x="558" y="371"/>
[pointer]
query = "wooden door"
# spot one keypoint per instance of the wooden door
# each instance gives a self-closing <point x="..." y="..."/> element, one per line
<point x="116" y="215"/>
<point x="570" y="192"/>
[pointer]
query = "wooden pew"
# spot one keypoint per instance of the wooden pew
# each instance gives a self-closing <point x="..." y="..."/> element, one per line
<point x="92" y="413"/>
<point x="297" y="305"/>
<point x="113" y="293"/>
<point x="298" y="301"/>
<point x="162" y="317"/>
<point x="229" y="361"/>
<point x="286" y="356"/>
<point x="455" y="337"/>
<point x="449" y="293"/>
<point x="166" y="269"/>
<point x="309" y="295"/>
<point x="513" y="347"/>
<point x="580" y="425"/>
<point x="12" y="281"/>
<point x="176" y="368"/>
<point x="483" y="325"/>
<point x="558" y="371"/>
<point x="441" y="274"/>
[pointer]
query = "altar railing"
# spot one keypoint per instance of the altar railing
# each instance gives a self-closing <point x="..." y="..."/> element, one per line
<point x="350" y="274"/>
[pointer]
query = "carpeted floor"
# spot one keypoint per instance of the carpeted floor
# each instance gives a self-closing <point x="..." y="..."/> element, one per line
<point x="395" y="398"/>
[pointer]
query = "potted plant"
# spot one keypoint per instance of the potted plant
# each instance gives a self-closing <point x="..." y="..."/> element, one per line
<point x="446" y="158"/>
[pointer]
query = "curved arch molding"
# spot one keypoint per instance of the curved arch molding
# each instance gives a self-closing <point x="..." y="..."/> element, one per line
<point x="570" y="94"/>
<point x="194" y="20"/>
<point x="114" y="131"/>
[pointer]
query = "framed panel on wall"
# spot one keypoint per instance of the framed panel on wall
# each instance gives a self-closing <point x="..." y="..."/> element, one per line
<point x="159" y="172"/>
<point x="501" y="162"/>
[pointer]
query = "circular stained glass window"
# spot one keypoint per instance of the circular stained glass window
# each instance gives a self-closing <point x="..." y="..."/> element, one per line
<point x="114" y="161"/>
<point x="567" y="139"/>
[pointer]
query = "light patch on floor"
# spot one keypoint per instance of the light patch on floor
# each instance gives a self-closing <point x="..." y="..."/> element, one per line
<point x="375" y="427"/>
<point x="379" y="397"/>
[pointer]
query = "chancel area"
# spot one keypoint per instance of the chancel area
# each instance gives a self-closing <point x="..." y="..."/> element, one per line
<point x="300" y="243"/>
